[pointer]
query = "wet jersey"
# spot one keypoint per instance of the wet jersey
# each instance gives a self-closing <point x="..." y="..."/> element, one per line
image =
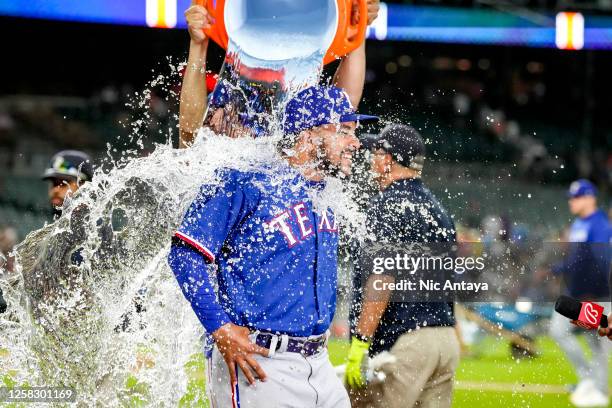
<point x="275" y="256"/>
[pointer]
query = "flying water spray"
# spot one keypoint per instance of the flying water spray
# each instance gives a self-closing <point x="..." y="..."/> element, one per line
<point x="93" y="304"/>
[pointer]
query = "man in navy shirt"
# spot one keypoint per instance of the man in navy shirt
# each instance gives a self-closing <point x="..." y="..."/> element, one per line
<point x="274" y="256"/>
<point x="585" y="274"/>
<point x="420" y="336"/>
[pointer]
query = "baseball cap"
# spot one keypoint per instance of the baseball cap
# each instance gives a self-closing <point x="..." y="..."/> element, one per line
<point x="319" y="105"/>
<point x="581" y="188"/>
<point x="69" y="164"/>
<point x="403" y="142"/>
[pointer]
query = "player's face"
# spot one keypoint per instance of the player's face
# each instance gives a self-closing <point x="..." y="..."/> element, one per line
<point x="379" y="163"/>
<point x="574" y="205"/>
<point x="581" y="205"/>
<point x="59" y="189"/>
<point x="338" y="143"/>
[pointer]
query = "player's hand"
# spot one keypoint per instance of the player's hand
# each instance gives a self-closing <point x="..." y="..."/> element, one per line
<point x="237" y="350"/>
<point x="373" y="7"/>
<point x="354" y="375"/>
<point x="606" y="331"/>
<point x="198" y="20"/>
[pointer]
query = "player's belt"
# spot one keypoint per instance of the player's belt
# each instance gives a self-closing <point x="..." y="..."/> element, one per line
<point x="306" y="346"/>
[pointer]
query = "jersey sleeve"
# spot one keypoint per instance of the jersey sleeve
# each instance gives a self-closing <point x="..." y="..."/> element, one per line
<point x="191" y="272"/>
<point x="212" y="216"/>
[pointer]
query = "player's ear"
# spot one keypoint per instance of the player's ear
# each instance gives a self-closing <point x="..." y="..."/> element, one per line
<point x="388" y="159"/>
<point x="288" y="144"/>
<point x="389" y="162"/>
<point x="307" y="137"/>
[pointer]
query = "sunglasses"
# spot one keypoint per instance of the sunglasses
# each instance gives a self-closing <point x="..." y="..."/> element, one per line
<point x="56" y="182"/>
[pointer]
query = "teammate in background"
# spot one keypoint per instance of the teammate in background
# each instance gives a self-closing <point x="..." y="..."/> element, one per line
<point x="275" y="261"/>
<point x="349" y="76"/>
<point x="67" y="171"/>
<point x="421" y="336"/>
<point x="585" y="273"/>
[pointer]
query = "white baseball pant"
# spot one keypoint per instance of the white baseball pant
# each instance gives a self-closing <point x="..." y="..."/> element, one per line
<point x="293" y="381"/>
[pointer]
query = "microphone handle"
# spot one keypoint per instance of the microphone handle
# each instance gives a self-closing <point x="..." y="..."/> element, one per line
<point x="604" y="321"/>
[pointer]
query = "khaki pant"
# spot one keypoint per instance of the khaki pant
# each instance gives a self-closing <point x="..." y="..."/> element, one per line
<point x="422" y="376"/>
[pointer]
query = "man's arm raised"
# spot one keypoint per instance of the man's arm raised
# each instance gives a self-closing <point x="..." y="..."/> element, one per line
<point x="350" y="74"/>
<point x="193" y="92"/>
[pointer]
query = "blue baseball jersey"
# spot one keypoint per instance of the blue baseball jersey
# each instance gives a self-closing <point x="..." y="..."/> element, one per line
<point x="276" y="257"/>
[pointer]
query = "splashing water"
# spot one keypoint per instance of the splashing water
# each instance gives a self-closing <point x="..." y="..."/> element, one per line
<point x="76" y="324"/>
<point x="93" y="302"/>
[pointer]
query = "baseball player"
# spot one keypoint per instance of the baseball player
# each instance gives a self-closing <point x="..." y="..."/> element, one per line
<point x="419" y="336"/>
<point x="66" y="172"/>
<point x="274" y="258"/>
<point x="585" y="274"/>
<point x="350" y="74"/>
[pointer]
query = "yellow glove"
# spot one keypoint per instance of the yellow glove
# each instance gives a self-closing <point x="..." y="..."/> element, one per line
<point x="354" y="376"/>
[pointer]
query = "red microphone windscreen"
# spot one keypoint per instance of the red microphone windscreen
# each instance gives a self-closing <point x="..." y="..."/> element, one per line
<point x="587" y="315"/>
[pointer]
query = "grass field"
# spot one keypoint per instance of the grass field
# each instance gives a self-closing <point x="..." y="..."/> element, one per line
<point x="490" y="379"/>
<point x="494" y="379"/>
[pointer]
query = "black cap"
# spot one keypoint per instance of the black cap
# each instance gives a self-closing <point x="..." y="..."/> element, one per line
<point x="403" y="142"/>
<point x="69" y="165"/>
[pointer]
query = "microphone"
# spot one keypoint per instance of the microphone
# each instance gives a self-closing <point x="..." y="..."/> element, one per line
<point x="588" y="315"/>
<point x="2" y="303"/>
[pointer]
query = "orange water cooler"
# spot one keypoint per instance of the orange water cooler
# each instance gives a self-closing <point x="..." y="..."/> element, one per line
<point x="350" y="25"/>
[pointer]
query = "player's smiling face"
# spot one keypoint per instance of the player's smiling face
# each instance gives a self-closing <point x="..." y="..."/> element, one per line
<point x="337" y="144"/>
